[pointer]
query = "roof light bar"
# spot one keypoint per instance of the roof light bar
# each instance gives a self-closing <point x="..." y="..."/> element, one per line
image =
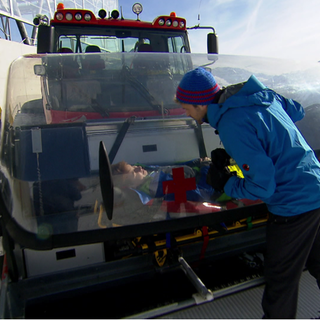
<point x="171" y="21"/>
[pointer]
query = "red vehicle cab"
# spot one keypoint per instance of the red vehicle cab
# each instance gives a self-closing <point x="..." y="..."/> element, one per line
<point x="89" y="81"/>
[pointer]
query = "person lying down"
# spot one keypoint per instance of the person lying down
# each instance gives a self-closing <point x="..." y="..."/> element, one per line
<point x="147" y="180"/>
<point x="139" y="196"/>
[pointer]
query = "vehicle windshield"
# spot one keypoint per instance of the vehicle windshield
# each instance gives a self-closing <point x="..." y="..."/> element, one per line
<point x="108" y="86"/>
<point x="97" y="150"/>
<point x="121" y="40"/>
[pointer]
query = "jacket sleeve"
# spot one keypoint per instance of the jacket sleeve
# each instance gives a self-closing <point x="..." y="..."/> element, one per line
<point x="243" y="145"/>
<point x="293" y="108"/>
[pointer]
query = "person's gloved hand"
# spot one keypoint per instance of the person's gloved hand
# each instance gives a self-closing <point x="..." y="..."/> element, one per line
<point x="218" y="178"/>
<point x="220" y="158"/>
<point x="218" y="173"/>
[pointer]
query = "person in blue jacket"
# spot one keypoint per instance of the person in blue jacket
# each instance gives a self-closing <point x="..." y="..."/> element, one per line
<point x="256" y="127"/>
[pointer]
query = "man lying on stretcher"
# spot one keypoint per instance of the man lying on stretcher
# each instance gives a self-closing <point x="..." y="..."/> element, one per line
<point x="147" y="181"/>
<point x="140" y="196"/>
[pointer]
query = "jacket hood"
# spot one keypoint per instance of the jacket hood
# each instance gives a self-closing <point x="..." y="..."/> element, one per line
<point x="249" y="93"/>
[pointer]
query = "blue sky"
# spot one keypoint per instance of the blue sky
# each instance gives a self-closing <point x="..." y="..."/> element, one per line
<point x="270" y="28"/>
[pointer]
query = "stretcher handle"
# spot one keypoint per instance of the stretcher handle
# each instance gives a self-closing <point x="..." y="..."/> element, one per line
<point x="106" y="182"/>
<point x="195" y="280"/>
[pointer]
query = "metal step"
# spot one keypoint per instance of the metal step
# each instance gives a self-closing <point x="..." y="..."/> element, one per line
<point x="247" y="304"/>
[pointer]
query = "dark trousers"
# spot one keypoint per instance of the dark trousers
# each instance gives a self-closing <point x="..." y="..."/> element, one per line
<point x="293" y="243"/>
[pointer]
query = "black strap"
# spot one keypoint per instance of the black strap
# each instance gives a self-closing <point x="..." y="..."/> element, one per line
<point x="106" y="182"/>
<point x="119" y="138"/>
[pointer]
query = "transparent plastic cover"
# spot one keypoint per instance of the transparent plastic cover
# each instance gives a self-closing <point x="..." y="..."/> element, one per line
<point x="70" y="117"/>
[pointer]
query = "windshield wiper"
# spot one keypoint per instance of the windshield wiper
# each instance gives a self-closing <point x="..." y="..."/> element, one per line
<point x="95" y="105"/>
<point x="141" y="89"/>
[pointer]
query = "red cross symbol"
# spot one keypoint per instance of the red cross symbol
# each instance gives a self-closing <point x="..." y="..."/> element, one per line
<point x="179" y="185"/>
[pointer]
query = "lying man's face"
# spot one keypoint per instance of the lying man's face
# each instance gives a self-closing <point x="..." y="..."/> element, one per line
<point x="133" y="175"/>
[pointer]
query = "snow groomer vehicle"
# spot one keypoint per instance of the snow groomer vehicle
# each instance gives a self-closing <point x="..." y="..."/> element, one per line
<point x="72" y="30"/>
<point x="102" y="191"/>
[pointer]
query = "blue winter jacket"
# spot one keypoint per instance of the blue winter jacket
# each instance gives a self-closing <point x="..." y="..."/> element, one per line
<point x="256" y="127"/>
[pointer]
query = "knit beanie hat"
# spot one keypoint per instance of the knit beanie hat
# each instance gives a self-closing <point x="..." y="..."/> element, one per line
<point x="197" y="86"/>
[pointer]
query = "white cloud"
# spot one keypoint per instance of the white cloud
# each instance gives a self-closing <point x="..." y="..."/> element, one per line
<point x="277" y="29"/>
<point x="274" y="28"/>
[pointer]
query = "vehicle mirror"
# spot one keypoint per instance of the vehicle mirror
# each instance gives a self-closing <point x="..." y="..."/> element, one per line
<point x="212" y="41"/>
<point x="44" y="36"/>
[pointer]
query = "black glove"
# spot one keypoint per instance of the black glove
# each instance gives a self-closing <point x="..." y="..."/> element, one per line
<point x="220" y="158"/>
<point x="218" y="173"/>
<point x="218" y="178"/>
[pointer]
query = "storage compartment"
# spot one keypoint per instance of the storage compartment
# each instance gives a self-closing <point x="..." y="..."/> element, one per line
<point x="44" y="262"/>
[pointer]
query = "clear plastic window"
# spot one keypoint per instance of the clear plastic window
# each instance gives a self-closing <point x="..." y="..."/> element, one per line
<point x="64" y="114"/>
